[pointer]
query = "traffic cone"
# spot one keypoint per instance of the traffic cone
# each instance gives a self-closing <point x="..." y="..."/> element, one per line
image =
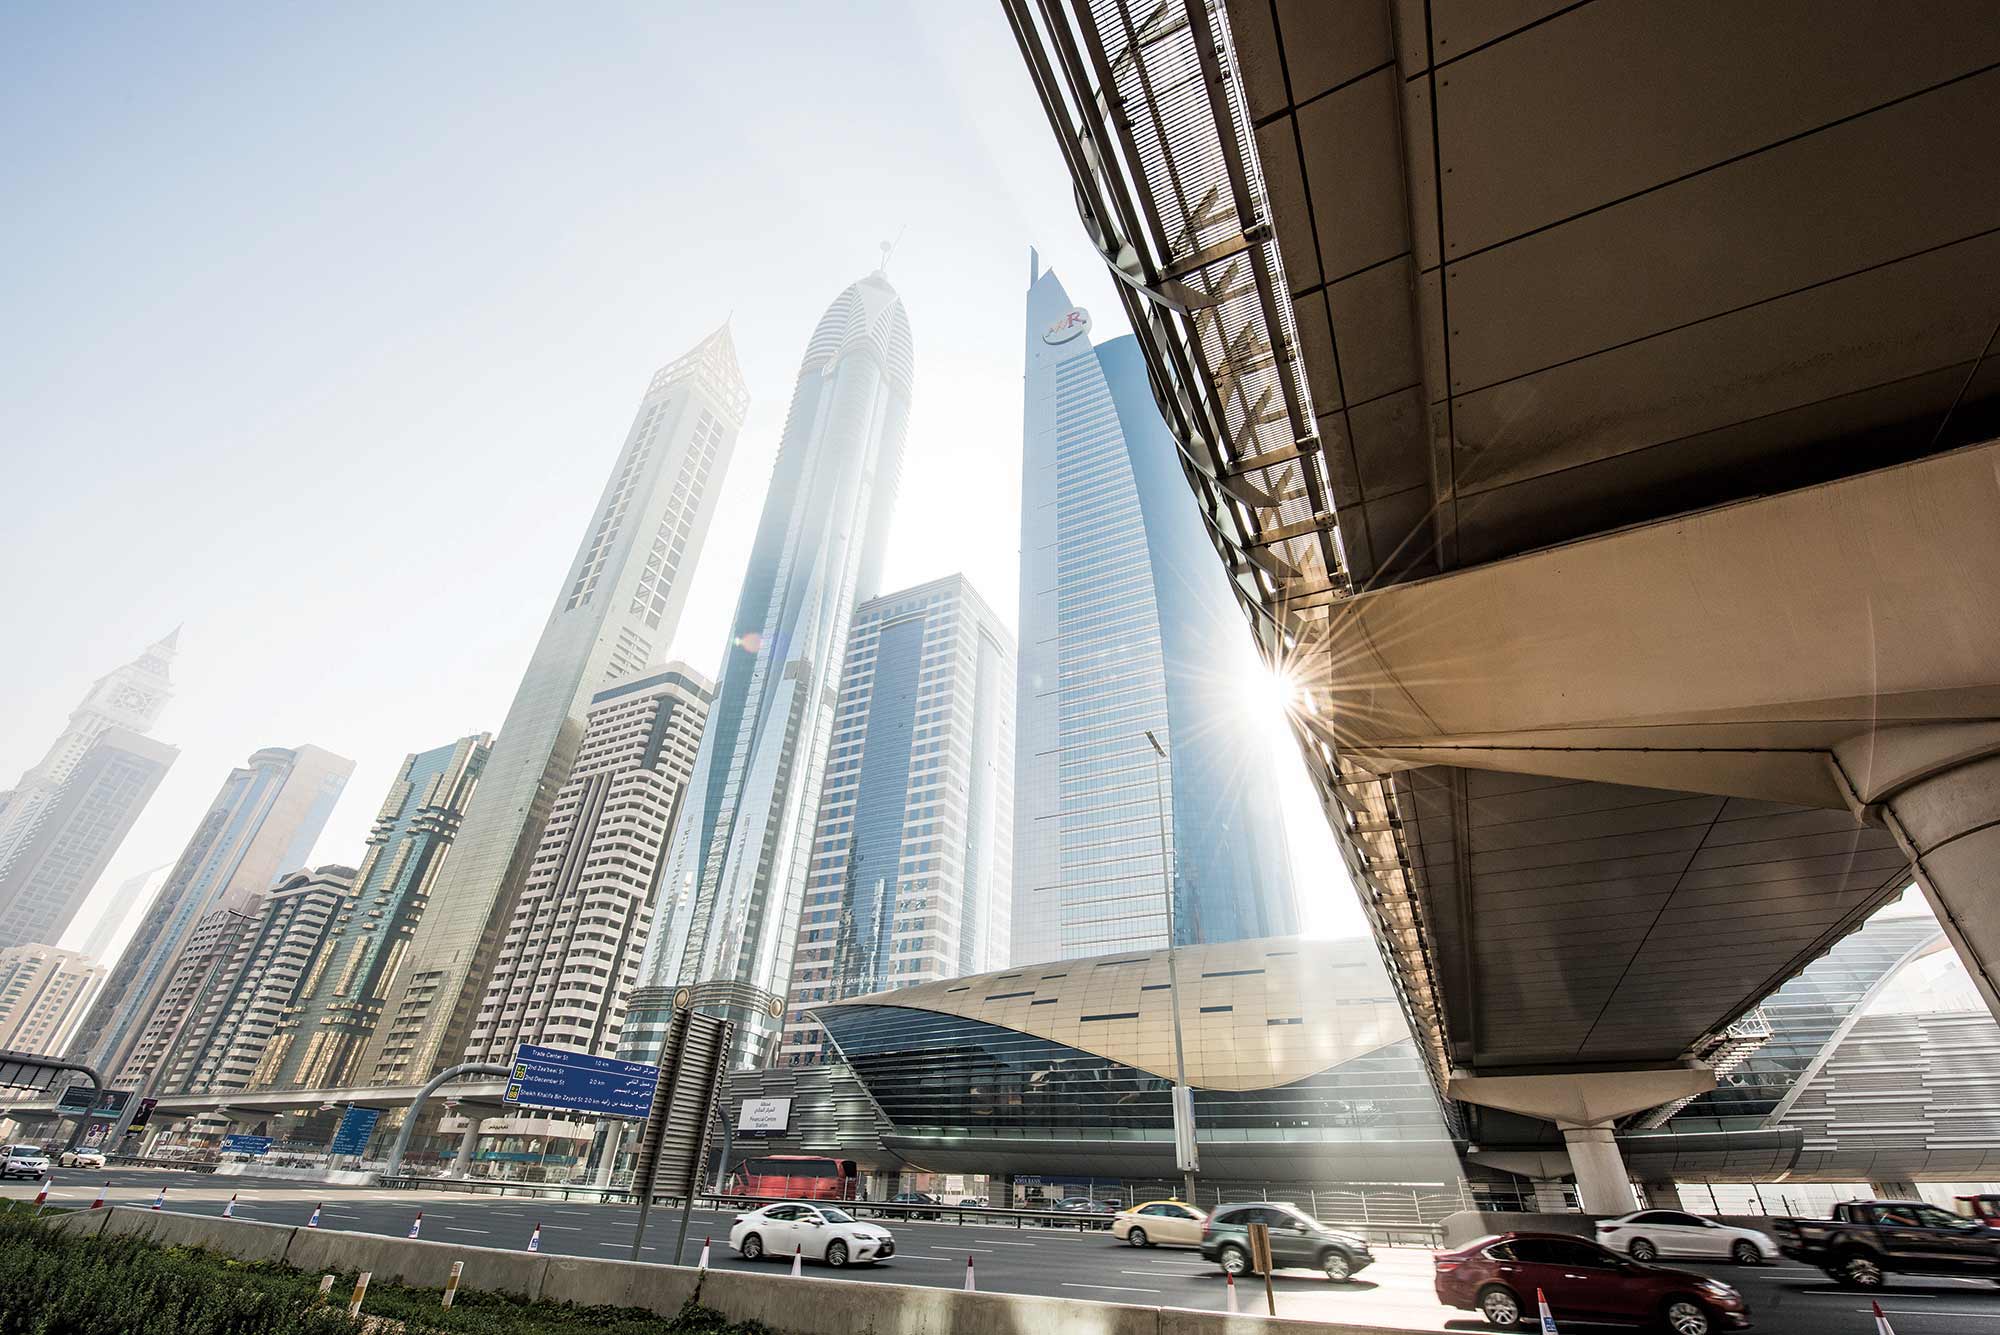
<point x="798" y="1261"/>
<point x="970" y="1287"/>
<point x="535" y="1239"/>
<point x="160" y="1201"/>
<point x="1232" y="1291"/>
<point x="229" y="1210"/>
<point x="1882" y="1326"/>
<point x="1548" y="1317"/>
<point x="417" y="1224"/>
<point x="42" y="1196"/>
<point x="314" y="1221"/>
<point x="702" y="1264"/>
<point x="98" y="1204"/>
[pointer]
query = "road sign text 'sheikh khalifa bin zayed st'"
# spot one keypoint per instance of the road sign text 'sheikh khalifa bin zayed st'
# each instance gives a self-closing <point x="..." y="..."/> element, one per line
<point x="578" y="1082"/>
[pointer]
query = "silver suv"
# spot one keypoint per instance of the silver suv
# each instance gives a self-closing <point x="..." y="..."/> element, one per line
<point x="24" y="1161"/>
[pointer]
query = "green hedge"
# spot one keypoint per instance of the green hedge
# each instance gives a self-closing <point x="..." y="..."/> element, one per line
<point x="61" y="1283"/>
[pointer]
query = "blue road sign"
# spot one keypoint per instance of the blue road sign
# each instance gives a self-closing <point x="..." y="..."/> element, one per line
<point x="578" y="1082"/>
<point x="356" y="1125"/>
<point x="252" y="1145"/>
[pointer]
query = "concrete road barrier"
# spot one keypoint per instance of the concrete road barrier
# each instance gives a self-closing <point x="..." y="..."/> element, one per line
<point x="797" y="1306"/>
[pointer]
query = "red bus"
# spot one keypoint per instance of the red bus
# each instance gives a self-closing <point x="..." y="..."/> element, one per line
<point x="796" y="1177"/>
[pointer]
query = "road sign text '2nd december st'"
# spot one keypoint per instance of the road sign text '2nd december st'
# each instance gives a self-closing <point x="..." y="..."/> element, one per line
<point x="578" y="1082"/>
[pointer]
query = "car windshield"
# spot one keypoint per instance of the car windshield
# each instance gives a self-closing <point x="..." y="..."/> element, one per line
<point x="834" y="1216"/>
<point x="25" y="1151"/>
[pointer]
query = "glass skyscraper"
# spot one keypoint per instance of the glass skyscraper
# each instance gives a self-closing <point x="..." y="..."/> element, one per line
<point x="911" y="877"/>
<point x="262" y="825"/>
<point x="1126" y="625"/>
<point x="614" y="617"/>
<point x="319" y="1040"/>
<point x="736" y="870"/>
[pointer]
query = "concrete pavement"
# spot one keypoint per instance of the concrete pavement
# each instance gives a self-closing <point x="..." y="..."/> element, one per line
<point x="1785" y="1299"/>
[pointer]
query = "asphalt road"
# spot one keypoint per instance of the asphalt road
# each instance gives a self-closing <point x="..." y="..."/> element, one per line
<point x="1785" y="1299"/>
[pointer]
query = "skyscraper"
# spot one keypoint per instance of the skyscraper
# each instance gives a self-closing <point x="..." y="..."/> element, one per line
<point x="236" y="1016"/>
<point x="614" y="615"/>
<point x="62" y="823"/>
<point x="737" y="869"/>
<point x="104" y="941"/>
<point x="319" y="1041"/>
<point x="571" y="954"/>
<point x="262" y="824"/>
<point x="911" y="876"/>
<point x="75" y="835"/>
<point x="1126" y="625"/>
<point x="43" y="992"/>
<point x="130" y="698"/>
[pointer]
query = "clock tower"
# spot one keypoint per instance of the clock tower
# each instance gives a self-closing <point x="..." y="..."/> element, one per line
<point x="130" y="697"/>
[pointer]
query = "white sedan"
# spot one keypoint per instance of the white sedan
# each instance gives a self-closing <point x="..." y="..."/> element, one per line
<point x="80" y="1158"/>
<point x="1645" y="1234"/>
<point x="823" y="1232"/>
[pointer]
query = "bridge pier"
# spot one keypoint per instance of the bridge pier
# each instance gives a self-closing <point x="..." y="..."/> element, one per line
<point x="1584" y="1105"/>
<point x="468" y="1144"/>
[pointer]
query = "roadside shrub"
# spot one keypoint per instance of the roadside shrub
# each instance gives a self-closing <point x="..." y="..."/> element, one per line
<point x="59" y="1283"/>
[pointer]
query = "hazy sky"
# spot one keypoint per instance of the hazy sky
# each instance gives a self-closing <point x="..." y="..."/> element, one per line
<point x="323" y="326"/>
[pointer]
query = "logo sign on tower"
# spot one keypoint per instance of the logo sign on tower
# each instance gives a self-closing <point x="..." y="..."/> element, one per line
<point x="1074" y="321"/>
<point x="578" y="1082"/>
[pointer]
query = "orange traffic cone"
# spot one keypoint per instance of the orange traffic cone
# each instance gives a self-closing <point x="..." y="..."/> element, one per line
<point x="798" y="1261"/>
<point x="1232" y="1290"/>
<point x="1548" y="1317"/>
<point x="314" y="1221"/>
<point x="1882" y="1326"/>
<point x="160" y="1201"/>
<point x="42" y="1196"/>
<point x="229" y="1210"/>
<point x="535" y="1239"/>
<point x="702" y="1264"/>
<point x="98" y="1204"/>
<point x="417" y="1224"/>
<point x="970" y="1287"/>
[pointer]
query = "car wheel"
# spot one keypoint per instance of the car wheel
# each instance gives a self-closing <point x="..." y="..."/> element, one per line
<point x="1744" y="1252"/>
<point x="1861" y="1271"/>
<point x="1500" y="1307"/>
<point x="1643" y="1250"/>
<point x="1685" y="1316"/>
<point x="1339" y="1266"/>
<point x="1234" y="1260"/>
<point x="1137" y="1237"/>
<point x="836" y="1254"/>
<point x="752" y="1247"/>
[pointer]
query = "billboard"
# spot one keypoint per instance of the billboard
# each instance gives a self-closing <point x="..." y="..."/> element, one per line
<point x="764" y="1117"/>
<point x="578" y="1082"/>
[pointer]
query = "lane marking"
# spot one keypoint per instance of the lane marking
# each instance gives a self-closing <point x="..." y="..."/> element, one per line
<point x="905" y="1256"/>
<point x="1932" y="1311"/>
<point x="1829" y="1293"/>
<point x="567" y="1228"/>
<point x="449" y="1229"/>
<point x="1110" y="1288"/>
<point x="940" y="1247"/>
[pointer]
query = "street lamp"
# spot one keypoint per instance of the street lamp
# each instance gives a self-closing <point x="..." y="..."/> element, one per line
<point x="1186" y="1157"/>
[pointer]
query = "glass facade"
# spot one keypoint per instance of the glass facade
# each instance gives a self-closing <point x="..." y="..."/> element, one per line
<point x="1126" y="626"/>
<point x="340" y="999"/>
<point x="953" y="1075"/>
<point x="910" y="877"/>
<point x="1804" y="1015"/>
<point x="736" y="870"/>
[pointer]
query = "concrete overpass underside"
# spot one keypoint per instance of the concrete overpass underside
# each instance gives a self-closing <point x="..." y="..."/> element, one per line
<point x="1640" y="364"/>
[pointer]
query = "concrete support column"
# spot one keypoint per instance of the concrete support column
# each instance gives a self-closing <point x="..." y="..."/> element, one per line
<point x="1894" y="1191"/>
<point x="461" y="1165"/>
<point x="1663" y="1195"/>
<point x="614" y="1144"/>
<point x="1602" y="1184"/>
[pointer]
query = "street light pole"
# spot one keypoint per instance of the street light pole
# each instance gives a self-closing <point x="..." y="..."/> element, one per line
<point x="1187" y="1158"/>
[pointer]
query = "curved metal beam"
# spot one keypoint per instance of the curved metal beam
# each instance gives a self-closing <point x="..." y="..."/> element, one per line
<point x="395" y="1164"/>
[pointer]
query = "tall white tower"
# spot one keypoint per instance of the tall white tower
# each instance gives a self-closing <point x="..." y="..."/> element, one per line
<point x="131" y="697"/>
<point x="614" y="616"/>
<point x="735" y="875"/>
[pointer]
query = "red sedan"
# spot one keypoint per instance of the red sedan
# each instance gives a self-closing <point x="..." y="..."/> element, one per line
<point x="1498" y="1277"/>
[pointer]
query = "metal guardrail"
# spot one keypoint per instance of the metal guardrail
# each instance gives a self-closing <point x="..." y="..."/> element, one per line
<point x="147" y="1161"/>
<point x="1391" y="1235"/>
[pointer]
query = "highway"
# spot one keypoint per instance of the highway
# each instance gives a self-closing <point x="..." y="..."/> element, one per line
<point x="1785" y="1299"/>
